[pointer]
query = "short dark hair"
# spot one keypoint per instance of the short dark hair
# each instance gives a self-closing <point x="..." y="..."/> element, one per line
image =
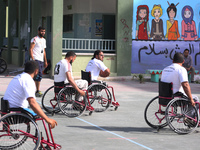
<point x="178" y="58"/>
<point x="30" y="66"/>
<point x="41" y="28"/>
<point x="186" y="50"/>
<point x="70" y="53"/>
<point x="96" y="53"/>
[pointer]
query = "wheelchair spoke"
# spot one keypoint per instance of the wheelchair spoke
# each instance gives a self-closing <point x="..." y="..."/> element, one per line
<point x="49" y="101"/>
<point x="70" y="102"/>
<point x="100" y="97"/>
<point x="154" y="114"/>
<point x="63" y="106"/>
<point x="185" y="117"/>
<point x="18" y="130"/>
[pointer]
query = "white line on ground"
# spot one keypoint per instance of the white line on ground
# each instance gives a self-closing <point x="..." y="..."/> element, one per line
<point x="114" y="134"/>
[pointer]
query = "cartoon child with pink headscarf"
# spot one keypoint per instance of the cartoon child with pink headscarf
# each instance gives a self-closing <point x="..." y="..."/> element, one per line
<point x="188" y="25"/>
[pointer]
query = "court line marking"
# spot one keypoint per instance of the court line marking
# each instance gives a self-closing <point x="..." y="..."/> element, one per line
<point x="114" y="134"/>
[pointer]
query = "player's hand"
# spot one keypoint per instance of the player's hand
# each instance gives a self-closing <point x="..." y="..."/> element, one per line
<point x="82" y="93"/>
<point x="52" y="123"/>
<point x="192" y="102"/>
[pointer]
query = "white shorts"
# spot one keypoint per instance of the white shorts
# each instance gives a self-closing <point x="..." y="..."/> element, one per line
<point x="82" y="84"/>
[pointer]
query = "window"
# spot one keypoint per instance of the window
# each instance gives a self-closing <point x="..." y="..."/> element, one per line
<point x="67" y="23"/>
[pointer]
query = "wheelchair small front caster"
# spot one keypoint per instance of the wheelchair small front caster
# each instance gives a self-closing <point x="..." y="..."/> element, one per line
<point x="116" y="107"/>
<point x="52" y="113"/>
<point x="90" y="113"/>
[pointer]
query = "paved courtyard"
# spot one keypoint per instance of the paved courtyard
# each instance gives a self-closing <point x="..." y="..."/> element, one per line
<point x="124" y="129"/>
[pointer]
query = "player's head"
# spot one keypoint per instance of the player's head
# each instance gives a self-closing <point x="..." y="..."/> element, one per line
<point x="41" y="31"/>
<point x="31" y="67"/>
<point x="178" y="58"/>
<point x="98" y="54"/>
<point x="71" y="56"/>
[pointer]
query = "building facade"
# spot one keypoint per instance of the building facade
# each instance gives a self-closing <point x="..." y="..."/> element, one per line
<point x="80" y="25"/>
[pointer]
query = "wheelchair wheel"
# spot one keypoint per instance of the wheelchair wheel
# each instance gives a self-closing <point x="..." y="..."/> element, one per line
<point x="49" y="101"/>
<point x="3" y="65"/>
<point x="18" y="130"/>
<point x="99" y="97"/>
<point x="70" y="102"/>
<point x="181" y="116"/>
<point x="154" y="114"/>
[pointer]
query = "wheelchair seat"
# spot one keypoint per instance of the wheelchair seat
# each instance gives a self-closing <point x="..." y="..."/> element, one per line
<point x="6" y="109"/>
<point x="165" y="93"/>
<point x="87" y="76"/>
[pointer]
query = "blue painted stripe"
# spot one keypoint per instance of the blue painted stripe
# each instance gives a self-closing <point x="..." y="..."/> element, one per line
<point x="114" y="134"/>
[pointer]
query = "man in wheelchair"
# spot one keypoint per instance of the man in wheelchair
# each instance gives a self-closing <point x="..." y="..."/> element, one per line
<point x="97" y="67"/>
<point x="63" y="75"/>
<point x="177" y="74"/>
<point x="21" y="92"/>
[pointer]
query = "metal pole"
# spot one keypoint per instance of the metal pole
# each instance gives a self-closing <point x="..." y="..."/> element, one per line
<point x="29" y="25"/>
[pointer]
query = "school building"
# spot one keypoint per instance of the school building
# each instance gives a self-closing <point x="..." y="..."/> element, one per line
<point x="80" y="25"/>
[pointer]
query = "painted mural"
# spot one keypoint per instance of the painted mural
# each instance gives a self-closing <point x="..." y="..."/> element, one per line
<point x="162" y="28"/>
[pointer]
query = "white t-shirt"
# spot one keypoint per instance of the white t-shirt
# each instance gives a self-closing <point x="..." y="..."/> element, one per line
<point x="95" y="66"/>
<point x="19" y="89"/>
<point x="38" y="50"/>
<point x="175" y="74"/>
<point x="60" y="70"/>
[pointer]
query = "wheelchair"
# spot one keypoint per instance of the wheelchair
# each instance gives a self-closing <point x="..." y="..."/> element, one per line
<point x="98" y="94"/>
<point x="19" y="130"/>
<point x="63" y="97"/>
<point x="3" y="64"/>
<point x="173" y="110"/>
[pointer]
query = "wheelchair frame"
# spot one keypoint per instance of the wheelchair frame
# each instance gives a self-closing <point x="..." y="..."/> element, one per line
<point x="97" y="92"/>
<point x="176" y="113"/>
<point x="87" y="76"/>
<point x="11" y="124"/>
<point x="52" y="101"/>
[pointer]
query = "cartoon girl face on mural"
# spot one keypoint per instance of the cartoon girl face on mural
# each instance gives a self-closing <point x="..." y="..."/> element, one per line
<point x="157" y="23"/>
<point x="172" y="25"/>
<point x="142" y="24"/>
<point x="187" y="24"/>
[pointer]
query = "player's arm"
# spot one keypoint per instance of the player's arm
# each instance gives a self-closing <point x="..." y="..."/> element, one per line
<point x="45" y="59"/>
<point x="105" y="73"/>
<point x="37" y="109"/>
<point x="187" y="90"/>
<point x="71" y="81"/>
<point x="31" y="50"/>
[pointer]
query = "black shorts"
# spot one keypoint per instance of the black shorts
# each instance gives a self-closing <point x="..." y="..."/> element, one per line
<point x="39" y="75"/>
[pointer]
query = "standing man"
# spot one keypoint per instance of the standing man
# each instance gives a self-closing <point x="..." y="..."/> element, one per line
<point x="97" y="67"/>
<point x="38" y="54"/>
<point x="21" y="92"/>
<point x="177" y="74"/>
<point x="63" y="74"/>
<point x="188" y="64"/>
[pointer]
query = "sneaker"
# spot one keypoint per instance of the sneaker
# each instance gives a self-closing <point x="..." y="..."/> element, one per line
<point x="38" y="94"/>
